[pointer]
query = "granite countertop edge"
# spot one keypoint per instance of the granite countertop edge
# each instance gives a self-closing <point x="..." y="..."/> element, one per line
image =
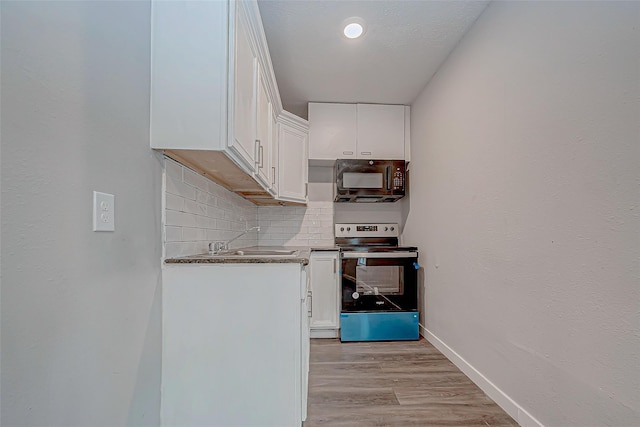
<point x="302" y="256"/>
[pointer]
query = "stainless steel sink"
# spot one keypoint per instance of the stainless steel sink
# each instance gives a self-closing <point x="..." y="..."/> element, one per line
<point x="259" y="252"/>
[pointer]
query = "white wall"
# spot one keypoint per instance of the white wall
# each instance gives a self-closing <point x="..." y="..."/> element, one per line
<point x="524" y="203"/>
<point x="80" y="310"/>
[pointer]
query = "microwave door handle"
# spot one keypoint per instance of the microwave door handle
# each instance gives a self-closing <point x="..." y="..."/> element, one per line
<point x="388" y="178"/>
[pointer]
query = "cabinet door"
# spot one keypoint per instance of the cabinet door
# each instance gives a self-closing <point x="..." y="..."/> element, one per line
<point x="380" y="132"/>
<point x="189" y="88"/>
<point x="305" y="341"/>
<point x="324" y="287"/>
<point x="293" y="164"/>
<point x="332" y="131"/>
<point x="274" y="154"/>
<point x="243" y="141"/>
<point x="263" y="133"/>
<point x="256" y="381"/>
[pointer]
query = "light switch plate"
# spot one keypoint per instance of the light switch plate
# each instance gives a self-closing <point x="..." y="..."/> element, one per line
<point x="103" y="211"/>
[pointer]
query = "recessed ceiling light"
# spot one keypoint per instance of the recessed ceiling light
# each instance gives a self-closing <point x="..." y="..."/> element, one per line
<point x="353" y="27"/>
<point x="353" y="30"/>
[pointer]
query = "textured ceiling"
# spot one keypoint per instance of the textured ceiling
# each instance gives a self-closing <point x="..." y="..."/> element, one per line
<point x="404" y="44"/>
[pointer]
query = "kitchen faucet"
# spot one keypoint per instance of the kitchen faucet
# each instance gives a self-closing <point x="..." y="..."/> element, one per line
<point x="217" y="247"/>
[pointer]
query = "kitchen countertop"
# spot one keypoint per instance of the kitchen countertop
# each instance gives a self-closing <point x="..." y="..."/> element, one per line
<point x="300" y="257"/>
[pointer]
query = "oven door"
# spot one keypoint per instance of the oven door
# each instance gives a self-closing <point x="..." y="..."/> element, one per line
<point x="379" y="281"/>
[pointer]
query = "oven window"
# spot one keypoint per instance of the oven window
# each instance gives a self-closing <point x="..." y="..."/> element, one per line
<point x="380" y="279"/>
<point x="379" y="284"/>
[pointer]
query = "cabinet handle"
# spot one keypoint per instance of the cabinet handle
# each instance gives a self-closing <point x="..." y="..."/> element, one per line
<point x="261" y="156"/>
<point x="256" y="153"/>
<point x="365" y="153"/>
<point x="334" y="266"/>
<point x="273" y="175"/>
<point x="310" y="312"/>
<point x="348" y="153"/>
<point x="306" y="189"/>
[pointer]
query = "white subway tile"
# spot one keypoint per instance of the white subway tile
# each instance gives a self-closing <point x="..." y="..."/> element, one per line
<point x="214" y="188"/>
<point x="181" y="219"/>
<point x="173" y="169"/>
<point x="202" y="196"/>
<point x="211" y="200"/>
<point x="272" y="242"/>
<point x="224" y="204"/>
<point x="177" y="187"/>
<point x="231" y="216"/>
<point x="173" y="202"/>
<point x="173" y="234"/>
<point x="321" y="242"/>
<point x="178" y="249"/>
<point x="216" y="235"/>
<point x="271" y="217"/>
<point x="296" y="242"/>
<point x="199" y="211"/>
<point x="195" y="180"/>
<point x="194" y="234"/>
<point x="191" y="206"/>
<point x="272" y="229"/>
<point x="202" y="221"/>
<point x="213" y="212"/>
<point x="172" y="249"/>
<point x="224" y="225"/>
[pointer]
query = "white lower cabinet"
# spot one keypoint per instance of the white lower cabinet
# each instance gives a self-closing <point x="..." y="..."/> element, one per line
<point x="235" y="343"/>
<point x="325" y="284"/>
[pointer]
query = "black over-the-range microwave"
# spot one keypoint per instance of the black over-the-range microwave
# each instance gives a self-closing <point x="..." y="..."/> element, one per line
<point x="369" y="181"/>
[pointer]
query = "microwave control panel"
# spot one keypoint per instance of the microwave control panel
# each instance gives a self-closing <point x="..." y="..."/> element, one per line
<point x="398" y="179"/>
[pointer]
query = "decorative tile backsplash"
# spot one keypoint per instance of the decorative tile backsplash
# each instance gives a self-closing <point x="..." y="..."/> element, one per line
<point x="310" y="225"/>
<point x="198" y="211"/>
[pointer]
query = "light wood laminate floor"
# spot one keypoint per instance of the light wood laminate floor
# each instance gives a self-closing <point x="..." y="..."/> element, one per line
<point x="394" y="384"/>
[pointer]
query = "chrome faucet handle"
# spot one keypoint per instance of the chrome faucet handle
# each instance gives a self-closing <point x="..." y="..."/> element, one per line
<point x="216" y="247"/>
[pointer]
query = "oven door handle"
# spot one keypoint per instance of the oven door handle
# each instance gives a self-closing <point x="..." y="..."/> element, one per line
<point x="379" y="254"/>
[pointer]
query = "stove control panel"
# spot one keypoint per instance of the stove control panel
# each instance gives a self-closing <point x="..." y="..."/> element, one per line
<point x="367" y="230"/>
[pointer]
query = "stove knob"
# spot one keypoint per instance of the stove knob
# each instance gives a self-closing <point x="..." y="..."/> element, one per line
<point x="392" y="228"/>
<point x="341" y="228"/>
<point x="348" y="228"/>
<point x="386" y="229"/>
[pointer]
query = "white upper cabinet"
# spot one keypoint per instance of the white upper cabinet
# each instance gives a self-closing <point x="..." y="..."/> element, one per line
<point x="332" y="131"/>
<point x="293" y="171"/>
<point x="214" y="94"/>
<point x="357" y="131"/>
<point x="263" y="139"/>
<point x="245" y="100"/>
<point x="274" y="154"/>
<point x="189" y="75"/>
<point x="380" y="131"/>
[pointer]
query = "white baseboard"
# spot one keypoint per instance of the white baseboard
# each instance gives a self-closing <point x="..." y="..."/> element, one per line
<point x="510" y="406"/>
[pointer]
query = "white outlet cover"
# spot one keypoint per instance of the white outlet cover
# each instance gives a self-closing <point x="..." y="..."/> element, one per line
<point x="104" y="212"/>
